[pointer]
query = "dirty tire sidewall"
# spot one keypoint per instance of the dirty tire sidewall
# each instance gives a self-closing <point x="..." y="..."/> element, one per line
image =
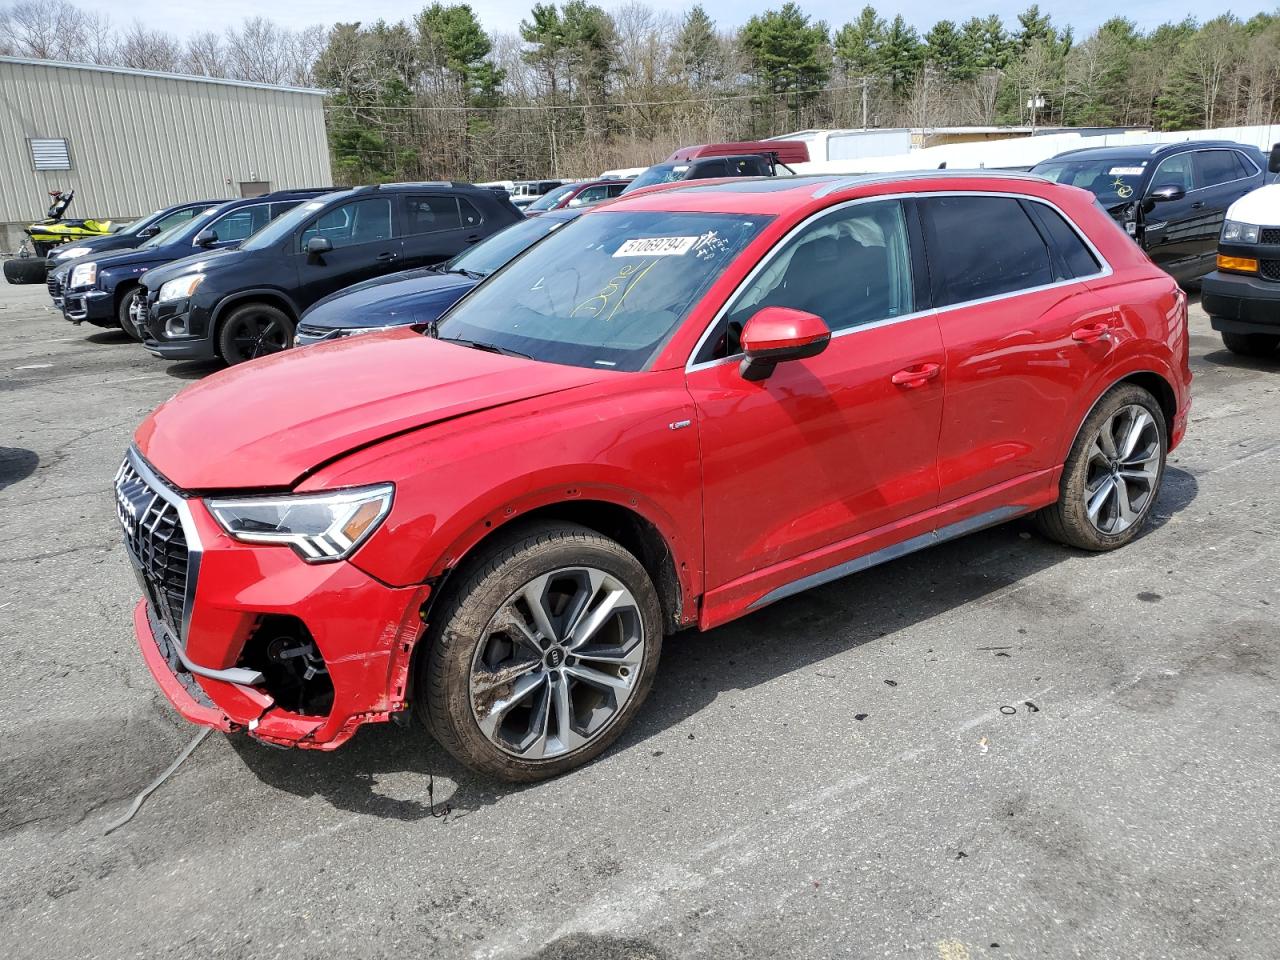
<point x="24" y="270"/>
<point x="1066" y="521"/>
<point x="122" y="313"/>
<point x="443" y="683"/>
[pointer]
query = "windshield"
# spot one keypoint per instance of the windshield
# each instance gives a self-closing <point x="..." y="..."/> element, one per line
<point x="549" y="200"/>
<point x="281" y="226"/>
<point x="133" y="226"/>
<point x="503" y="247"/>
<point x="662" y="173"/>
<point x="1111" y="181"/>
<point x="605" y="291"/>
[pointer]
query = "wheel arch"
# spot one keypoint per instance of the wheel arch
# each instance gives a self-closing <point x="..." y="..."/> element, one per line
<point x="1156" y="384"/>
<point x="275" y="298"/>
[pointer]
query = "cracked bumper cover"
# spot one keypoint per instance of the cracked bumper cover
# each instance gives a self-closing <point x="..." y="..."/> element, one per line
<point x="364" y="629"/>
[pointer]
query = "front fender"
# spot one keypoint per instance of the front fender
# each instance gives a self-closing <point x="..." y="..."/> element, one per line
<point x="460" y="480"/>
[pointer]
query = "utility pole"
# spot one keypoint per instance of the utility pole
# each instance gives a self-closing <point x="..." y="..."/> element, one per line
<point x="864" y="103"/>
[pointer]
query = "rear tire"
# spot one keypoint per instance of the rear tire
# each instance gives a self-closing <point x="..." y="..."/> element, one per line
<point x="1251" y="344"/>
<point x="1113" y="474"/>
<point x="254" y="330"/>
<point x="124" y="315"/>
<point x="528" y="689"/>
<point x="26" y="270"/>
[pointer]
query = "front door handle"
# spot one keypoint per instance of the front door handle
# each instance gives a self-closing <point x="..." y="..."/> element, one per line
<point x="916" y="376"/>
<point x="386" y="257"/>
<point x="1197" y="205"/>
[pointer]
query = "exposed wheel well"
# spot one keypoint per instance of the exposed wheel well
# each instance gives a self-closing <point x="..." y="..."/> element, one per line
<point x="123" y="287"/>
<point x="270" y="299"/>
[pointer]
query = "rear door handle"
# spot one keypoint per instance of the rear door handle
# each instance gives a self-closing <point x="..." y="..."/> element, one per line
<point x="1091" y="333"/>
<point x="916" y="376"/>
<point x="389" y="255"/>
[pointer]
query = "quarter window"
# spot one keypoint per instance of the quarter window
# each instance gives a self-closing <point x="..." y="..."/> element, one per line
<point x="851" y="267"/>
<point x="362" y="221"/>
<point x="1074" y="258"/>
<point x="983" y="247"/>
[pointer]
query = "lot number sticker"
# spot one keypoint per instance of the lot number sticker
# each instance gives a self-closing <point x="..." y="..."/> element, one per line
<point x="656" y="247"/>
<point x="1126" y="171"/>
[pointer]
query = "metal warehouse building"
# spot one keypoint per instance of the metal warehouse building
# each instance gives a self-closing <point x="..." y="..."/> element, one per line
<point x="132" y="141"/>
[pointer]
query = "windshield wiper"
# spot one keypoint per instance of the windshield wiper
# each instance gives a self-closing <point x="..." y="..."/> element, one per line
<point x="486" y="347"/>
<point x="469" y="274"/>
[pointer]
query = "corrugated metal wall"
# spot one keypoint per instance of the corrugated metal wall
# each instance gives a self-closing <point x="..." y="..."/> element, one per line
<point x="142" y="141"/>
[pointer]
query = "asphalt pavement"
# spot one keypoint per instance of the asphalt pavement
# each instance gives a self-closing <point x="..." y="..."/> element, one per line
<point x="999" y="748"/>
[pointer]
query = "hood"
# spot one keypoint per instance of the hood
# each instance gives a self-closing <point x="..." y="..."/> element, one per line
<point x="199" y="262"/>
<point x="414" y="296"/>
<point x="1259" y="207"/>
<point x="269" y="422"/>
<point x="96" y="246"/>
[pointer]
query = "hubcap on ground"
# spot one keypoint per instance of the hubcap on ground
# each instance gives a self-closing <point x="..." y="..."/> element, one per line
<point x="1122" y="470"/>
<point x="557" y="663"/>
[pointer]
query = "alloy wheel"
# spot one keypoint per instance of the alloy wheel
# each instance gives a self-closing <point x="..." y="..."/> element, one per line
<point x="557" y="663"/>
<point x="137" y="311"/>
<point x="257" y="335"/>
<point x="1123" y="469"/>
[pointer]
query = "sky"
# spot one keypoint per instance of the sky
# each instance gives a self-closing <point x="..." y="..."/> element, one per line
<point x="505" y="15"/>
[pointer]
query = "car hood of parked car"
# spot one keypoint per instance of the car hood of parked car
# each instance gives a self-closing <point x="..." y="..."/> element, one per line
<point x="268" y="423"/>
<point x="411" y="296"/>
<point x="197" y="262"/>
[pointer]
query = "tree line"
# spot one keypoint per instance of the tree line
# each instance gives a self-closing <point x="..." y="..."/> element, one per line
<point x="577" y="88"/>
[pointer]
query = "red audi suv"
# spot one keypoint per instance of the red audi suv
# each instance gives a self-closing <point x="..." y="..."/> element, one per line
<point x="682" y="407"/>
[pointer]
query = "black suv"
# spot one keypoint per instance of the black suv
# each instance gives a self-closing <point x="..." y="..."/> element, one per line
<point x="1171" y="197"/>
<point x="104" y="289"/>
<point x="705" y="168"/>
<point x="243" y="303"/>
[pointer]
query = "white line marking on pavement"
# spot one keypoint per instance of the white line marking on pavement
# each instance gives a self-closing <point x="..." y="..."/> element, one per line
<point x="34" y="366"/>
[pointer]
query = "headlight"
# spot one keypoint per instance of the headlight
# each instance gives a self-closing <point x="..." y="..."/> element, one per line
<point x="1233" y="231"/>
<point x="321" y="527"/>
<point x="84" y="275"/>
<point x="71" y="253"/>
<point x="181" y="288"/>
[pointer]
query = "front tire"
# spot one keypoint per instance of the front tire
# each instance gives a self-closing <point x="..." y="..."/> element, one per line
<point x="1251" y="344"/>
<point x="541" y="654"/>
<point x="1112" y="475"/>
<point x="126" y="313"/>
<point x="254" y="330"/>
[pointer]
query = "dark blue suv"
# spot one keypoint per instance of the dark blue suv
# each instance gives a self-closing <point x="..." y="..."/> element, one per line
<point x="102" y="289"/>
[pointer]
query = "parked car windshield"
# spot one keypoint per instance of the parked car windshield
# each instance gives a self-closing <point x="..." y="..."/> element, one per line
<point x="281" y="226"/>
<point x="661" y="173"/>
<point x="548" y="200"/>
<point x="606" y="291"/>
<point x="1111" y="181"/>
<point x="504" y="246"/>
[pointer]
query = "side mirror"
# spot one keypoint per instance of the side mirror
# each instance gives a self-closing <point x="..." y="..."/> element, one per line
<point x="1273" y="161"/>
<point x="774" y="335"/>
<point x="149" y="232"/>
<point x="1166" y="192"/>
<point x="318" y="245"/>
<point x="206" y="238"/>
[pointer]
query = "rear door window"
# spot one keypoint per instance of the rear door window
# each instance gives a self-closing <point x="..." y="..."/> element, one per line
<point x="983" y="247"/>
<point x="433" y="213"/>
<point x="1214" y="167"/>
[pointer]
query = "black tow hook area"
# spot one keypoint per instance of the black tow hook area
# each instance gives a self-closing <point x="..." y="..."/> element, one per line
<point x="295" y="674"/>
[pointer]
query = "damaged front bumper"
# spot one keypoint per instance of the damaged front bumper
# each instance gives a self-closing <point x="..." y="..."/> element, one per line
<point x="233" y="662"/>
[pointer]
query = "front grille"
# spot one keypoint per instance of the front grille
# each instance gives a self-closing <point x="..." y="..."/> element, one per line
<point x="1270" y="269"/>
<point x="308" y="332"/>
<point x="54" y="283"/>
<point x="156" y="541"/>
<point x="1269" y="235"/>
